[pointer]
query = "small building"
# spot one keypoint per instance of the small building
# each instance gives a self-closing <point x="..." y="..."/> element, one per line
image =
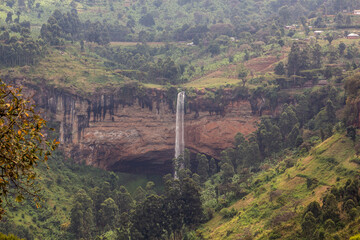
<point x="357" y="12"/>
<point x="323" y="82"/>
<point x="352" y="36"/>
<point x="290" y="27"/>
<point x="318" y="32"/>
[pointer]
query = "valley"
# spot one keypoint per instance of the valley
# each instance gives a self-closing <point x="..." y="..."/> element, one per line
<point x="271" y="118"/>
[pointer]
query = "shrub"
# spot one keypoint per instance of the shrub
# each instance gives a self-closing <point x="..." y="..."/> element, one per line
<point x="329" y="225"/>
<point x="226" y="213"/>
<point x="356" y="237"/>
<point x="353" y="213"/>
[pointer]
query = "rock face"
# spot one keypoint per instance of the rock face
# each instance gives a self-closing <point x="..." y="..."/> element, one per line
<point x="137" y="134"/>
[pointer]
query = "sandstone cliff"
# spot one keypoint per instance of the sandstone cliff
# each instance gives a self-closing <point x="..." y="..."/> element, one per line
<point x="123" y="130"/>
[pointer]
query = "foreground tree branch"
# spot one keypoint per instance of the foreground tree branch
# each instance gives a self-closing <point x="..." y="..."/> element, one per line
<point x="22" y="145"/>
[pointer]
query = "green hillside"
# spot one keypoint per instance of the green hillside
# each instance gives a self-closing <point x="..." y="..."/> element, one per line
<point x="295" y="177"/>
<point x="60" y="181"/>
<point x="278" y="197"/>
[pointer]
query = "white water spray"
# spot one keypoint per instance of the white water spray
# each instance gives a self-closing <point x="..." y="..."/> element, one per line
<point x="179" y="134"/>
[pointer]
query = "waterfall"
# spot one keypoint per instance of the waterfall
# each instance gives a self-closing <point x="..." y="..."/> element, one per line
<point x="179" y="134"/>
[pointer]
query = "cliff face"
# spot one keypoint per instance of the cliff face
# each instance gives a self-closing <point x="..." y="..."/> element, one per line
<point x="122" y="132"/>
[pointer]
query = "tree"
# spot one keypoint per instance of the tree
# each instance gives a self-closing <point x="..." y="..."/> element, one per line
<point x="329" y="37"/>
<point x="139" y="194"/>
<point x="308" y="225"/>
<point x="203" y="167"/>
<point x="242" y="74"/>
<point x="316" y="56"/>
<point x="341" y="48"/>
<point x="192" y="208"/>
<point x="293" y="60"/>
<point x="351" y="133"/>
<point x="82" y="217"/>
<point x="348" y="20"/>
<point x="108" y="213"/>
<point x="287" y="120"/>
<point x="279" y="69"/>
<point x="212" y="166"/>
<point x="339" y="19"/>
<point x="187" y="163"/>
<point x="227" y="172"/>
<point x="214" y="49"/>
<point x="82" y="46"/>
<point x="284" y="14"/>
<point x="17" y="20"/>
<point x="9" y="17"/>
<point x="22" y="144"/>
<point x="147" y="20"/>
<point x="269" y="136"/>
<point x="149" y="218"/>
<point x="330" y="208"/>
<point x="123" y="200"/>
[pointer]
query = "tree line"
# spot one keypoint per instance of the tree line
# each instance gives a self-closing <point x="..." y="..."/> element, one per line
<point x="142" y="215"/>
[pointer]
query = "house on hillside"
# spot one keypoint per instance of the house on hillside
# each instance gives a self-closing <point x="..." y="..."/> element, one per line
<point x="322" y="82"/>
<point x="352" y="36"/>
<point x="357" y="12"/>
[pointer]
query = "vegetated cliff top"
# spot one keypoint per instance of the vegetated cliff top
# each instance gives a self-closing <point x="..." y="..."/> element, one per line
<point x="279" y="196"/>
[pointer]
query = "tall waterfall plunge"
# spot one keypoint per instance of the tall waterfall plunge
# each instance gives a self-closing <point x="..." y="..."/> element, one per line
<point x="179" y="134"/>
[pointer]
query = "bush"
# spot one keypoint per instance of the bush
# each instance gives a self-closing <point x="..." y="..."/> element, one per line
<point x="356" y="237"/>
<point x="226" y="213"/>
<point x="274" y="235"/>
<point x="329" y="225"/>
<point x="8" y="237"/>
<point x="353" y="213"/>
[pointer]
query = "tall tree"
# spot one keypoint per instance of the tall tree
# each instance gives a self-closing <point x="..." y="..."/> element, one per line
<point x="316" y="56"/>
<point x="109" y="214"/>
<point x="9" y="17"/>
<point x="293" y="60"/>
<point x="203" y="167"/>
<point x="149" y="218"/>
<point x="82" y="217"/>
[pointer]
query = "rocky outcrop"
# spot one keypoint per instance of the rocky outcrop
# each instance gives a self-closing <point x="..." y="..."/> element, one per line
<point x="133" y="130"/>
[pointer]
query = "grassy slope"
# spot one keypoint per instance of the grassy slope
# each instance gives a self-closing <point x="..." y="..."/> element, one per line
<point x="59" y="182"/>
<point x="257" y="214"/>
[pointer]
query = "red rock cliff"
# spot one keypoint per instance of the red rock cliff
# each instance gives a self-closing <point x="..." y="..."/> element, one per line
<point x="136" y="134"/>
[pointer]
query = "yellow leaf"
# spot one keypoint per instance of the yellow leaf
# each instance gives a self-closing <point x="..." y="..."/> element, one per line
<point x="19" y="132"/>
<point x="19" y="198"/>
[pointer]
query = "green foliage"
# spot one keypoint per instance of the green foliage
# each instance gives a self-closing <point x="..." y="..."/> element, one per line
<point x="22" y="146"/>
<point x="356" y="237"/>
<point x="147" y="20"/>
<point x="280" y="69"/>
<point x="82" y="217"/>
<point x="9" y="237"/>
<point x="203" y="166"/>
<point x="226" y="213"/>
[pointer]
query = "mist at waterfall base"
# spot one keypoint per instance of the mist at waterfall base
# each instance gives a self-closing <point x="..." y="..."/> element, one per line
<point x="179" y="133"/>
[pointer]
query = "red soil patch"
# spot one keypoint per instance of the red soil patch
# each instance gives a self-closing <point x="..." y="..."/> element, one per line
<point x="256" y="65"/>
<point x="262" y="65"/>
